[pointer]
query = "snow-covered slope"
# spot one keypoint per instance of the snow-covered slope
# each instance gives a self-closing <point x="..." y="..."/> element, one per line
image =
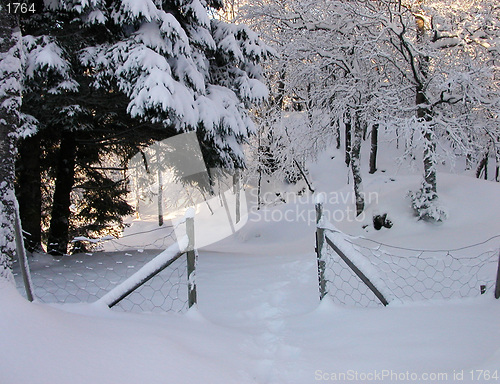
<point x="259" y="319"/>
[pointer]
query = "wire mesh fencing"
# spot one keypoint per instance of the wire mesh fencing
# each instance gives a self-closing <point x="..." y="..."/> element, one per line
<point x="167" y="291"/>
<point x="412" y="275"/>
<point x="363" y="272"/>
<point x="343" y="285"/>
<point x="87" y="277"/>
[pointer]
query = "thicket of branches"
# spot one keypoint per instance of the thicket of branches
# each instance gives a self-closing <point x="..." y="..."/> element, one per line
<point x="427" y="70"/>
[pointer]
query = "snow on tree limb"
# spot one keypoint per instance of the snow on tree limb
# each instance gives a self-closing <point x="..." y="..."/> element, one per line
<point x="170" y="68"/>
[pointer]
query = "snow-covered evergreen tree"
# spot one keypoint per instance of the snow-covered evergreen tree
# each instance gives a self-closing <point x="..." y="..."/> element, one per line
<point x="10" y="102"/>
<point x="175" y="67"/>
<point x="181" y="69"/>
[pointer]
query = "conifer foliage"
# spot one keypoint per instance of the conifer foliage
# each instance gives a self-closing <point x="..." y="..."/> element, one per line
<point x="104" y="78"/>
<point x="180" y="68"/>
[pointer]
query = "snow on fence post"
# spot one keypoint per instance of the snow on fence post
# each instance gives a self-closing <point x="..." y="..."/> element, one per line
<point x="191" y="258"/>
<point x="497" y="288"/>
<point x="320" y="240"/>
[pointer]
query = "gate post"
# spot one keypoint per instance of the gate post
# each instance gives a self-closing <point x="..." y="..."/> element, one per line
<point x="191" y="261"/>
<point x="21" y="256"/>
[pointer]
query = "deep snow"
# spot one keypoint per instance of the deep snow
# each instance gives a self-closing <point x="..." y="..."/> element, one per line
<point x="259" y="319"/>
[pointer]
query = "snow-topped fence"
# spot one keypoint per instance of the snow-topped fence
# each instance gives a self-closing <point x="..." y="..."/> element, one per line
<point x="363" y="272"/>
<point x="132" y="279"/>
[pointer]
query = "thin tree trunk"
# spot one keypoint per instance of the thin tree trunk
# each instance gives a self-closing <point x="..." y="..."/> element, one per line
<point x="57" y="243"/>
<point x="356" y="164"/>
<point x="335" y="125"/>
<point x="347" y="124"/>
<point x="483" y="166"/>
<point x="468" y="162"/>
<point x="373" y="149"/>
<point x="160" y="187"/>
<point x="497" y="165"/>
<point x="430" y="173"/>
<point x="309" y="186"/>
<point x="338" y="134"/>
<point x="430" y="176"/>
<point x="280" y="96"/>
<point x="29" y="192"/>
<point x="160" y="198"/>
<point x="468" y="156"/>
<point x="309" y="105"/>
<point x="424" y="116"/>
<point x="10" y="102"/>
<point x="259" y="188"/>
<point x="137" y="194"/>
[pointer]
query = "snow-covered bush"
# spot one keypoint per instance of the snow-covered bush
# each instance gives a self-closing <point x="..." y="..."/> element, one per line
<point x="425" y="204"/>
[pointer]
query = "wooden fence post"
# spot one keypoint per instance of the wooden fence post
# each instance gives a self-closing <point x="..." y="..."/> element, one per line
<point x="320" y="240"/>
<point x="191" y="261"/>
<point x="21" y="256"/>
<point x="497" y="288"/>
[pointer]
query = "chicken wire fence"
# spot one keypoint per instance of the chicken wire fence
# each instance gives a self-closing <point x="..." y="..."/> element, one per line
<point x="363" y="272"/>
<point x="89" y="277"/>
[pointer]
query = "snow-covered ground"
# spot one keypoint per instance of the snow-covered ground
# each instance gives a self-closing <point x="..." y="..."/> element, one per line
<point x="259" y="319"/>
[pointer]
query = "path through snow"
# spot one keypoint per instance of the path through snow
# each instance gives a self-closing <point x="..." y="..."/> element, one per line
<point x="259" y="295"/>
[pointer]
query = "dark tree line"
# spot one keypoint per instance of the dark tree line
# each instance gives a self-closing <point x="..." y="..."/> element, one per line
<point x="64" y="163"/>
